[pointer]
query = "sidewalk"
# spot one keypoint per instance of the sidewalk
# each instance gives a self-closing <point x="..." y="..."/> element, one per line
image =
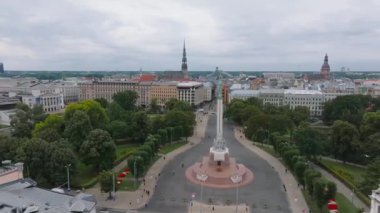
<point x="196" y="207"/>
<point x="138" y="199"/>
<point x="295" y="197"/>
<point x="343" y="189"/>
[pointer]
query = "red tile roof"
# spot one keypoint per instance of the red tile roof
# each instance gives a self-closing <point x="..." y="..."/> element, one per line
<point x="147" y="77"/>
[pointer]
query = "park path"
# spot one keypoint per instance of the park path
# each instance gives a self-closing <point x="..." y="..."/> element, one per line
<point x="294" y="194"/>
<point x="343" y="189"/>
<point x="138" y="199"/>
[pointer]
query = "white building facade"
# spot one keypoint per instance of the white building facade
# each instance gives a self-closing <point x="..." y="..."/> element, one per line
<point x="191" y="92"/>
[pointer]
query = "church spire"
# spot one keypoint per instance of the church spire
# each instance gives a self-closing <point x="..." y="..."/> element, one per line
<point x="326" y="58"/>
<point x="184" y="61"/>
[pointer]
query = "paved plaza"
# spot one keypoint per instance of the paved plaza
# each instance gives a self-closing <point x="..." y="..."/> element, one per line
<point x="174" y="193"/>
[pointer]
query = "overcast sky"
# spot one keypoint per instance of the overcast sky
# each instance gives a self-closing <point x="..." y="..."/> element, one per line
<point x="265" y="35"/>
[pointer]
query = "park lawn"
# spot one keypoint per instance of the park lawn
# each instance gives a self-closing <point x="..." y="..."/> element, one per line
<point x="267" y="148"/>
<point x="171" y="147"/>
<point x="350" y="173"/>
<point x="122" y="150"/>
<point x="344" y="204"/>
<point x="84" y="174"/>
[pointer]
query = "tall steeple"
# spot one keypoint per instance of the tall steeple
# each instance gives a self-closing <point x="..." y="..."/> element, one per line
<point x="325" y="69"/>
<point x="184" y="62"/>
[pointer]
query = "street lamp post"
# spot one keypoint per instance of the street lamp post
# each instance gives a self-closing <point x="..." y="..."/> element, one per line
<point x="68" y="176"/>
<point x="237" y="196"/>
<point x="113" y="185"/>
<point x="201" y="207"/>
<point x="135" y="172"/>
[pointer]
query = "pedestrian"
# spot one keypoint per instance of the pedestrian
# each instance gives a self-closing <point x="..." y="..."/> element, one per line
<point x="182" y="165"/>
<point x="213" y="208"/>
<point x="164" y="157"/>
<point x="130" y="203"/>
<point x="284" y="187"/>
<point x="286" y="170"/>
<point x="146" y="205"/>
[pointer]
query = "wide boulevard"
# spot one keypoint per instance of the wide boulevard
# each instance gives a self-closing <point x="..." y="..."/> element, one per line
<point x="174" y="193"/>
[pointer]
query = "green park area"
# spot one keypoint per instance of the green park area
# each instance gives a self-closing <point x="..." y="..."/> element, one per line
<point x="352" y="174"/>
<point x="171" y="147"/>
<point x="345" y="205"/>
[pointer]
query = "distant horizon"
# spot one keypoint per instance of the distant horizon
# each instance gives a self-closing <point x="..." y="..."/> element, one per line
<point x="145" y="71"/>
<point x="245" y="35"/>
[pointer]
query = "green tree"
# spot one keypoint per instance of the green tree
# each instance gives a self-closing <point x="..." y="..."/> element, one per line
<point x="299" y="114"/>
<point x="107" y="182"/>
<point x="372" y="177"/>
<point x="38" y="114"/>
<point x="175" y="104"/>
<point x="163" y="136"/>
<point x="280" y="123"/>
<point x="234" y="110"/>
<point x="119" y="129"/>
<point x="51" y="129"/>
<point x="177" y="132"/>
<point x="186" y="118"/>
<point x="102" y="101"/>
<point x="116" y="112"/>
<point x="370" y="124"/>
<point x="255" y="123"/>
<point x="45" y="161"/>
<point x="8" y="147"/>
<point x="371" y="146"/>
<point x="126" y="99"/>
<point x="343" y="140"/>
<point x="348" y="108"/>
<point x="187" y="131"/>
<point x="96" y="113"/>
<point x="158" y="122"/>
<point x="310" y="176"/>
<point x="154" y="108"/>
<point x="309" y="141"/>
<point x="142" y="126"/>
<point x="21" y="122"/>
<point x="77" y="128"/>
<point x="98" y="150"/>
<point x="323" y="190"/>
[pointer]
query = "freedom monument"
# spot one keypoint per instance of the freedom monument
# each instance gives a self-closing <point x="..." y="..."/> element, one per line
<point x="218" y="169"/>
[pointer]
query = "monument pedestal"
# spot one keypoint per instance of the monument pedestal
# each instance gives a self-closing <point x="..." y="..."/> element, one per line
<point x="219" y="174"/>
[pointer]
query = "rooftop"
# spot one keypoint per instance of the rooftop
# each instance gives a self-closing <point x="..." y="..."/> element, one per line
<point x="25" y="194"/>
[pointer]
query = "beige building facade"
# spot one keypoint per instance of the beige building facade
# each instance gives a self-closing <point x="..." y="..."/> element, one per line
<point x="163" y="92"/>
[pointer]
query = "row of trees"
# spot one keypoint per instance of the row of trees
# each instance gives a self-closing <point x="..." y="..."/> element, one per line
<point x="291" y="135"/>
<point x="319" y="188"/>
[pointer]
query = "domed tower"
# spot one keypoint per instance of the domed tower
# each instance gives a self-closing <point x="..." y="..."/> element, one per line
<point x="325" y="69"/>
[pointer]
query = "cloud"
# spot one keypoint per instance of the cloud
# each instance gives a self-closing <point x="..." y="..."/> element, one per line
<point x="244" y="35"/>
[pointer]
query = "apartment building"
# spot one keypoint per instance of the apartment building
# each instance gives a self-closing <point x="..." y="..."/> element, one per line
<point x="272" y="96"/>
<point x="208" y="86"/>
<point x="191" y="92"/>
<point x="163" y="92"/>
<point x="106" y="89"/>
<point x="311" y="99"/>
<point x="243" y="94"/>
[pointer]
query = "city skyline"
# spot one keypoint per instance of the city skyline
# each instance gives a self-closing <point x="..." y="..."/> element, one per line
<point x="249" y="36"/>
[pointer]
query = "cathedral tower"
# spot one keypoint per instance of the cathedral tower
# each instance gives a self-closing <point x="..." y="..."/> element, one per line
<point x="325" y="69"/>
